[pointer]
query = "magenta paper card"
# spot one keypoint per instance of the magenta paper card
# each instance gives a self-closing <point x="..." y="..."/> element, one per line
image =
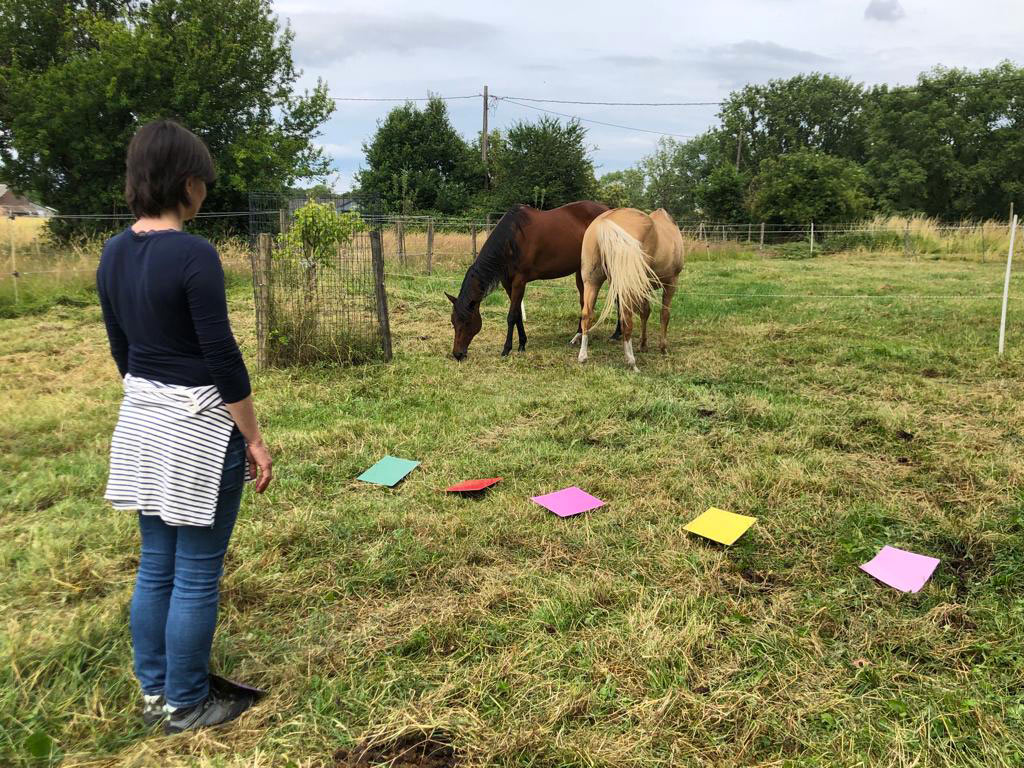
<point x="568" y="501"/>
<point x="905" y="571"/>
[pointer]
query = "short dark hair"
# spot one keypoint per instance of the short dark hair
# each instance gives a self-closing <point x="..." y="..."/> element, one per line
<point x="161" y="157"/>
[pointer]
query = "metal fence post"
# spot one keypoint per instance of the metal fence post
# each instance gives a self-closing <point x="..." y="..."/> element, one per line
<point x="377" y="254"/>
<point x="400" y="234"/>
<point x="14" y="261"/>
<point x="430" y="246"/>
<point x="474" y="241"/>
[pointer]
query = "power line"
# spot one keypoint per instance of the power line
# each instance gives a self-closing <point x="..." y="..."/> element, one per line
<point x="427" y="98"/>
<point x="622" y="103"/>
<point x="591" y="120"/>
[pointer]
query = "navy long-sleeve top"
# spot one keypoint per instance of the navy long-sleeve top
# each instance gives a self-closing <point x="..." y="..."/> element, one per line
<point x="166" y="313"/>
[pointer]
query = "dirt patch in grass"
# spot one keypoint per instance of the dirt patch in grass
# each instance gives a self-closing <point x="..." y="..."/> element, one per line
<point x="413" y="749"/>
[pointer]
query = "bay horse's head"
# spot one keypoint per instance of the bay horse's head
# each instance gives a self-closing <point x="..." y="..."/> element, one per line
<point x="466" y="321"/>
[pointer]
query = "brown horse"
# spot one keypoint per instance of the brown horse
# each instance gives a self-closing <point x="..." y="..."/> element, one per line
<point x="526" y="245"/>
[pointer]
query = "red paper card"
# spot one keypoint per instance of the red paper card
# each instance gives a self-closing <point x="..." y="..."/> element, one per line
<point x="473" y="485"/>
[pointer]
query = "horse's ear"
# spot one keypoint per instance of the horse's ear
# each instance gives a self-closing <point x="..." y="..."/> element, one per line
<point x="451" y="298"/>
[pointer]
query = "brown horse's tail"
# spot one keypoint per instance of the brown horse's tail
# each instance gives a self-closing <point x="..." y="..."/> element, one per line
<point x="631" y="280"/>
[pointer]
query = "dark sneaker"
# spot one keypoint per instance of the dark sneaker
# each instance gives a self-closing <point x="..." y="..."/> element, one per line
<point x="217" y="709"/>
<point x="153" y="708"/>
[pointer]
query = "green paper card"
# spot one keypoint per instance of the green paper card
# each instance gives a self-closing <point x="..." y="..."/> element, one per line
<point x="388" y="471"/>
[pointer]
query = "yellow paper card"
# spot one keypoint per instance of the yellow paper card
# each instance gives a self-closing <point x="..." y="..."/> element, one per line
<point x="721" y="526"/>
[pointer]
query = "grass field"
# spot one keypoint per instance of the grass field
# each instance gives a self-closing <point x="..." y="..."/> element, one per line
<point x="613" y="639"/>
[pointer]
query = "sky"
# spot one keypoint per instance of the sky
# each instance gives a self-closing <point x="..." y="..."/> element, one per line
<point x="614" y="51"/>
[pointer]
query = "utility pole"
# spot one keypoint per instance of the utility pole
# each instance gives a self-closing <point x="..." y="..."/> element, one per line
<point x="483" y="137"/>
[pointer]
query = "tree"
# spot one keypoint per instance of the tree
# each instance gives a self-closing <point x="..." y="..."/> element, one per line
<point x="77" y="79"/>
<point x="545" y="163"/>
<point x="952" y="146"/>
<point x="418" y="161"/>
<point x="622" y="189"/>
<point x="808" y="185"/>
<point x="814" y="111"/>
<point x="722" y="195"/>
<point x="675" y="172"/>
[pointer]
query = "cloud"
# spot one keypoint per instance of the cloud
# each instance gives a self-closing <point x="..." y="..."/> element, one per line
<point x="753" y="61"/>
<point x="632" y="61"/>
<point x="884" y="10"/>
<point x="323" y="38"/>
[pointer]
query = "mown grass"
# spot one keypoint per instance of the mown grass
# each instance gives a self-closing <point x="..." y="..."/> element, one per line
<point x="613" y="639"/>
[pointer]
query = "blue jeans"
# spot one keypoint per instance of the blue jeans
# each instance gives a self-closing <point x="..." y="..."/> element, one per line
<point x="174" y="607"/>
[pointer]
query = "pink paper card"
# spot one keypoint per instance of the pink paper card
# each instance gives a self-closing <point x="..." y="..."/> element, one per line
<point x="469" y="486"/>
<point x="568" y="501"/>
<point x="902" y="570"/>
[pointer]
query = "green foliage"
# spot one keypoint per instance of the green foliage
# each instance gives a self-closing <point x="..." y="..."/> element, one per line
<point x="544" y="163"/>
<point x="77" y="79"/>
<point x="808" y="185"/>
<point x="318" y="229"/>
<point x="675" y="172"/>
<point x="418" y="161"/>
<point x="722" y="196"/>
<point x="622" y="189"/>
<point x="952" y="146"/>
<point x="814" y="111"/>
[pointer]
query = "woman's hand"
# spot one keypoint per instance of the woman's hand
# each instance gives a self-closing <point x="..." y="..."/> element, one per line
<point x="258" y="456"/>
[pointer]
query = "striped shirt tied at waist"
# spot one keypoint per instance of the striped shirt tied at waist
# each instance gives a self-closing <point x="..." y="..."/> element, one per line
<point x="167" y="453"/>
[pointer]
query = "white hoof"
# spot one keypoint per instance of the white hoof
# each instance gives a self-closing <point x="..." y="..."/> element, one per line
<point x="582" y="357"/>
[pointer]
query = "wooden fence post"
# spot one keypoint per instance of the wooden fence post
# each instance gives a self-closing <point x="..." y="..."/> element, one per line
<point x="261" y="265"/>
<point x="376" y="251"/>
<point x="430" y="246"/>
<point x="812" y="239"/>
<point x="760" y="247"/>
<point x="474" y="241"/>
<point x="400" y="235"/>
<point x="748" y="232"/>
<point x="282" y="220"/>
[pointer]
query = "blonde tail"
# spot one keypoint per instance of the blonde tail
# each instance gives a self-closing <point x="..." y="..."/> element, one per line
<point x="630" y="277"/>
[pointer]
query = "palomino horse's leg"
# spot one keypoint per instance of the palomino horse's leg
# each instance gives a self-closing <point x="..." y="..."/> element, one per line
<point x="666" y="304"/>
<point x="515" y="306"/>
<point x="627" y="337"/>
<point x="579" y="325"/>
<point x="645" y="312"/>
<point x="587" y="316"/>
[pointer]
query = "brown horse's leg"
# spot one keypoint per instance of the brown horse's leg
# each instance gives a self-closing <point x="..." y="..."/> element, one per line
<point x="618" y="324"/>
<point x="579" y="325"/>
<point x="645" y="312"/>
<point x="515" y="298"/>
<point x="666" y="304"/>
<point x="587" y="316"/>
<point x="521" y="321"/>
<point x="627" y="337"/>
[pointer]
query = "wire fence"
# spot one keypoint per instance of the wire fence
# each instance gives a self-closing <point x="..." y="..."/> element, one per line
<point x="338" y="310"/>
<point x="327" y="309"/>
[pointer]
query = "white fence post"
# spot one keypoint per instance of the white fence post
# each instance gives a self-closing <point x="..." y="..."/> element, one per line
<point x="1006" y="286"/>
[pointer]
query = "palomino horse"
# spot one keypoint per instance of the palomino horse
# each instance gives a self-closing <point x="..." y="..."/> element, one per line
<point x="637" y="253"/>
<point x="526" y="245"/>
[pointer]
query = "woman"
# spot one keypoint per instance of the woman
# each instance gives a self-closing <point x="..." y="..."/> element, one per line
<point x="187" y="435"/>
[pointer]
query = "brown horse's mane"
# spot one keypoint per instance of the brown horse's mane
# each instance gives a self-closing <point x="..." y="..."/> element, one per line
<point x="495" y="262"/>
